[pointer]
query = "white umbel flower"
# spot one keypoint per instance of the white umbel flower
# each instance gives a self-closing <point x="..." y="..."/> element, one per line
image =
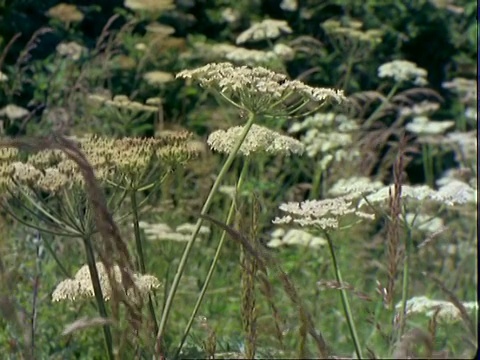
<point x="81" y="286"/>
<point x="259" y="140"/>
<point x="447" y="311"/>
<point x="295" y="237"/>
<point x="257" y="89"/>
<point x="422" y="125"/>
<point x="402" y="70"/>
<point x="267" y="29"/>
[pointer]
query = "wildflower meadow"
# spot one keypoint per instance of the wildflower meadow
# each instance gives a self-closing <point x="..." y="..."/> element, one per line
<point x="238" y="179"/>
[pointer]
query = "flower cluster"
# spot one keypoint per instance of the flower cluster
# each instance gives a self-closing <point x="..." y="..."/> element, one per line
<point x="257" y="89"/>
<point x="157" y="77"/>
<point x="324" y="213"/>
<point x="162" y="231"/>
<point x="259" y="140"/>
<point x="66" y="13"/>
<point x="121" y="102"/>
<point x="447" y="312"/>
<point x="403" y="71"/>
<point x="240" y="55"/>
<point x="81" y="287"/>
<point x="149" y="5"/>
<point x="267" y="29"/>
<point x="13" y="112"/>
<point x="326" y="137"/>
<point x="422" y="125"/>
<point x="71" y="50"/>
<point x="280" y="237"/>
<point x="126" y="160"/>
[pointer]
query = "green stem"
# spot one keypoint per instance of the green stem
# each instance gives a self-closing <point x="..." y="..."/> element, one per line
<point x="230" y="214"/>
<point x="97" y="289"/>
<point x="406" y="266"/>
<point x="140" y="253"/>
<point x="344" y="297"/>
<point x="428" y="164"/>
<point x="317" y="178"/>
<point x="205" y="208"/>
<point x="372" y="117"/>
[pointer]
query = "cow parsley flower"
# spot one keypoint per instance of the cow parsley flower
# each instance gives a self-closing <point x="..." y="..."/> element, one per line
<point x="280" y="237"/>
<point x="402" y="71"/>
<point x="324" y="213"/>
<point x="267" y="29"/>
<point x="259" y="140"/>
<point x="447" y="311"/>
<point x="81" y="287"/>
<point x="259" y="90"/>
<point x="162" y="231"/>
<point x="355" y="186"/>
<point x="422" y="125"/>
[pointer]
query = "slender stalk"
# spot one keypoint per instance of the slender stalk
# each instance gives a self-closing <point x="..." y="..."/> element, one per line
<point x="231" y="212"/>
<point x="317" y="178"/>
<point x="97" y="289"/>
<point x="406" y="266"/>
<point x="140" y="253"/>
<point x="205" y="208"/>
<point x="344" y="297"/>
<point x="372" y="117"/>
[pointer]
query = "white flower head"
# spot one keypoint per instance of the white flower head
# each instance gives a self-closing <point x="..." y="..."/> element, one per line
<point x="71" y="50"/>
<point x="402" y="71"/>
<point x="295" y="237"/>
<point x="162" y="231"/>
<point x="3" y="77"/>
<point x="422" y="108"/>
<point x="355" y="186"/>
<point x="267" y="29"/>
<point x="259" y="140"/>
<point x="13" y="112"/>
<point x="81" y="287"/>
<point x="455" y="192"/>
<point x="382" y="195"/>
<point x="157" y="77"/>
<point x="324" y="213"/>
<point x="422" y="125"/>
<point x="425" y="223"/>
<point x="257" y="89"/>
<point x="289" y="5"/>
<point x="447" y="311"/>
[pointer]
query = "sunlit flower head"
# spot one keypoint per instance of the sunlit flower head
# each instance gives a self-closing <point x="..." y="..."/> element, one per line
<point x="149" y="5"/>
<point x="13" y="112"/>
<point x="157" y="77"/>
<point x="81" y="287"/>
<point x="295" y="237"/>
<point x="422" y="125"/>
<point x="403" y="71"/>
<point x="267" y="29"/>
<point x="259" y="140"/>
<point x="66" y="13"/>
<point x="259" y="90"/>
<point x="164" y="232"/>
<point x="447" y="311"/>
<point x="71" y="50"/>
<point x="289" y="5"/>
<point x="355" y="186"/>
<point x="324" y="213"/>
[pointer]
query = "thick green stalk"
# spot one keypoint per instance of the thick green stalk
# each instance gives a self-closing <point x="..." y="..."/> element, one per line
<point x="231" y="212"/>
<point x="344" y="297"/>
<point x="205" y="208"/>
<point x="97" y="289"/>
